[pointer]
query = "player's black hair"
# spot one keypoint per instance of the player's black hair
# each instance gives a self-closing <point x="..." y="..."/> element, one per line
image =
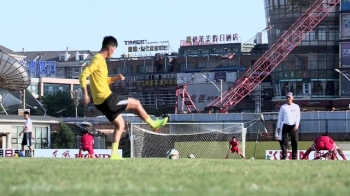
<point x="26" y="112"/>
<point x="233" y="137"/>
<point x="325" y="134"/>
<point x="109" y="41"/>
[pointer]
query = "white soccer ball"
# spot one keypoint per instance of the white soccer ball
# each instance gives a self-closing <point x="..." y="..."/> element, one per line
<point x="191" y="156"/>
<point x="252" y="158"/>
<point x="172" y="154"/>
<point x="323" y="158"/>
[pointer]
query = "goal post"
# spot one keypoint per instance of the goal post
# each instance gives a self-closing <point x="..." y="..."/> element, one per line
<point x="203" y="140"/>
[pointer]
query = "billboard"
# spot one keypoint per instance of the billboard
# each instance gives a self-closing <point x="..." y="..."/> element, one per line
<point x="209" y="39"/>
<point x="196" y="78"/>
<point x="344" y="52"/>
<point x="276" y="154"/>
<point x="345" y="26"/>
<point x="144" y="46"/>
<point x="59" y="153"/>
<point x="40" y="68"/>
<point x="344" y="5"/>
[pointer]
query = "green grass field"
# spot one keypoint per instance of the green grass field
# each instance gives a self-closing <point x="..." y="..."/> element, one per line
<point x="163" y="177"/>
<point x="219" y="149"/>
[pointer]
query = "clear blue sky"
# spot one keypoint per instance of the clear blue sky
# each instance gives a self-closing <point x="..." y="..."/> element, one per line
<point x="43" y="25"/>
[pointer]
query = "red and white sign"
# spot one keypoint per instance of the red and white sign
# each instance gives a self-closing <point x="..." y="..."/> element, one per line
<point x="276" y="154"/>
<point x="60" y="153"/>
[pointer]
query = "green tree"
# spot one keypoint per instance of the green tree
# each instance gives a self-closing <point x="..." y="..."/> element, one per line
<point x="63" y="139"/>
<point x="60" y="104"/>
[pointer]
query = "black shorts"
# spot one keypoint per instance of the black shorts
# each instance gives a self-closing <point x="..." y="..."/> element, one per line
<point x="113" y="106"/>
<point x="27" y="139"/>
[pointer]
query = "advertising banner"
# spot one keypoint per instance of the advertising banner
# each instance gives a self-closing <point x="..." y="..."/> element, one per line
<point x="344" y="54"/>
<point x="276" y="154"/>
<point x="59" y="153"/>
<point x="345" y="26"/>
<point x="345" y="5"/>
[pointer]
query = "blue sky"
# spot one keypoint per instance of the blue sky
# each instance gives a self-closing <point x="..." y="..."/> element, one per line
<point x="43" y="25"/>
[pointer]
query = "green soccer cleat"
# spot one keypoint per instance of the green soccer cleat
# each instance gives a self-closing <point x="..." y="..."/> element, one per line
<point x="159" y="124"/>
<point x="116" y="157"/>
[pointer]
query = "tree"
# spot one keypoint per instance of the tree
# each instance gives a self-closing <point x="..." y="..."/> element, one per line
<point x="63" y="139"/>
<point x="60" y="104"/>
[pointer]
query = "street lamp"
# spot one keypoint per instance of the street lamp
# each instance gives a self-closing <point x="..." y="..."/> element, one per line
<point x="220" y="90"/>
<point x="75" y="97"/>
<point x="337" y="70"/>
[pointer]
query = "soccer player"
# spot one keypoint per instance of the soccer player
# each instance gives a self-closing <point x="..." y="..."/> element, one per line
<point x="324" y="142"/>
<point x="234" y="148"/>
<point x="87" y="144"/>
<point x="111" y="104"/>
<point x="27" y="134"/>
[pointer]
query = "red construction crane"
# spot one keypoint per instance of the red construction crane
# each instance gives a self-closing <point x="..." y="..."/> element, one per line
<point x="274" y="55"/>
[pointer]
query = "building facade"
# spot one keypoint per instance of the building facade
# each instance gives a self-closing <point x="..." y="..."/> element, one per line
<point x="57" y="64"/>
<point x="153" y="80"/>
<point x="309" y="70"/>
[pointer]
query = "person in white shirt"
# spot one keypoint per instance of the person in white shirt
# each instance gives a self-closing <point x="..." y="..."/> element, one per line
<point x="27" y="134"/>
<point x="287" y="126"/>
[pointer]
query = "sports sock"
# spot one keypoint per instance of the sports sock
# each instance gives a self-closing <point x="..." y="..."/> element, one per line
<point x="150" y="122"/>
<point x="306" y="153"/>
<point x="115" y="147"/>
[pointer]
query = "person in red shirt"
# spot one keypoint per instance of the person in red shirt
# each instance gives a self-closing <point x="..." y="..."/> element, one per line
<point x="234" y="148"/>
<point x="86" y="144"/>
<point x="324" y="142"/>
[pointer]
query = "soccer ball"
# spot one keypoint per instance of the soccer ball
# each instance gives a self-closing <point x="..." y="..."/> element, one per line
<point x="252" y="158"/>
<point x="191" y="156"/>
<point x="172" y="154"/>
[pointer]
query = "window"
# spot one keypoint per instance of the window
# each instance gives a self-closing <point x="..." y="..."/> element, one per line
<point x="333" y="32"/>
<point x="62" y="57"/>
<point x="59" y="70"/>
<point x="306" y="88"/>
<point x="322" y="34"/>
<point x="322" y="61"/>
<point x="278" y="90"/>
<point x="76" y="70"/>
<point x="81" y="57"/>
<point x="313" y="61"/>
<point x="188" y="51"/>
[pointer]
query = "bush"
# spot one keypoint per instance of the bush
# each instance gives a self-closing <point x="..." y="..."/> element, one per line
<point x="63" y="139"/>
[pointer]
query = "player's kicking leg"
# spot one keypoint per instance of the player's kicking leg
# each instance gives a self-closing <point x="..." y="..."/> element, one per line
<point x="134" y="104"/>
<point x="118" y="122"/>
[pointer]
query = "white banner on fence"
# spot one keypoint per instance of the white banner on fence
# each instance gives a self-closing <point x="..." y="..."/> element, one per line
<point x="276" y="154"/>
<point x="60" y="153"/>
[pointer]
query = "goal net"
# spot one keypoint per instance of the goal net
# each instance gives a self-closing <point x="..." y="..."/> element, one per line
<point x="203" y="140"/>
